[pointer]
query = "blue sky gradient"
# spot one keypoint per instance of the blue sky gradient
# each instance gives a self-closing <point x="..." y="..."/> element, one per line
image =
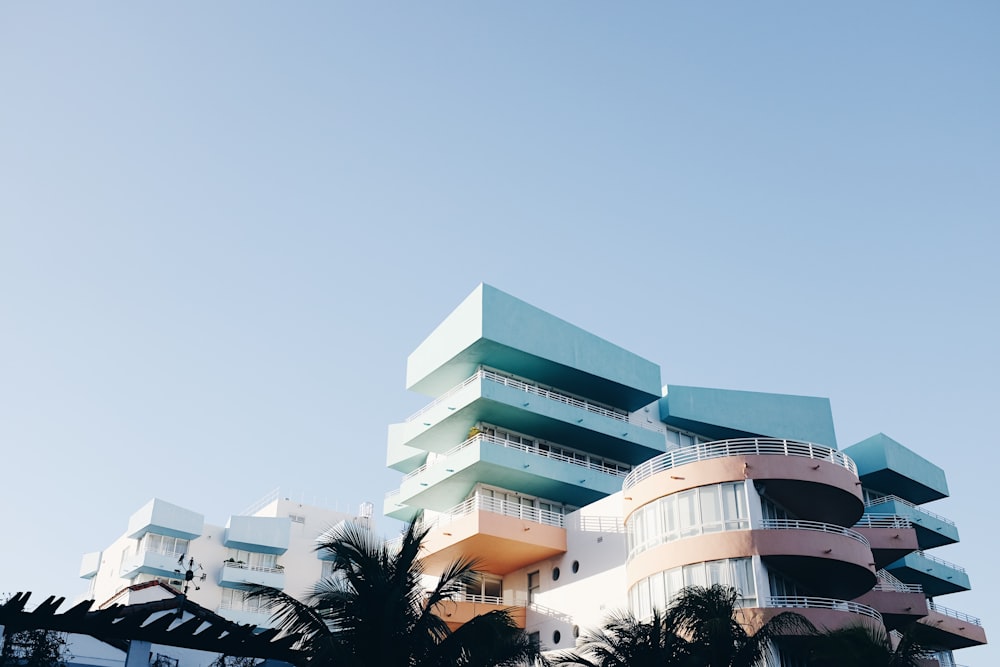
<point x="224" y="226"/>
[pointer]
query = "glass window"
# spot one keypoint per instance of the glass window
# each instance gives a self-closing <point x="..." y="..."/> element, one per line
<point x="711" y="510"/>
<point x="688" y="511"/>
<point x="733" y="505"/>
<point x="693" y="512"/>
<point x="694" y="575"/>
<point x="735" y="572"/>
<point x="533" y="585"/>
<point x="673" y="582"/>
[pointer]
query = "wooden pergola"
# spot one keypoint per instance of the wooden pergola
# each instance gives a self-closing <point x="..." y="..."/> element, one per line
<point x="171" y="622"/>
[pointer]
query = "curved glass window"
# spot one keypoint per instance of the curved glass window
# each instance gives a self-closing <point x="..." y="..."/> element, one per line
<point x="706" y="509"/>
<point x="658" y="590"/>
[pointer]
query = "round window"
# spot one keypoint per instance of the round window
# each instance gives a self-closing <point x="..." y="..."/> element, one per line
<point x="555" y="574"/>
<point x="576" y="566"/>
<point x="556" y="636"/>
<point x="576" y="631"/>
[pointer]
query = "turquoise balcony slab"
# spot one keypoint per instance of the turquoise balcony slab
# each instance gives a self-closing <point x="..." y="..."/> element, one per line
<point x="722" y="414"/>
<point x="448" y="481"/>
<point x="263" y="534"/>
<point x="403" y="457"/>
<point x="937" y="576"/>
<point x="933" y="530"/>
<point x="163" y="518"/>
<point x="510" y="404"/>
<point x="889" y="467"/>
<point x="495" y="329"/>
<point x="394" y="508"/>
<point x="234" y="575"/>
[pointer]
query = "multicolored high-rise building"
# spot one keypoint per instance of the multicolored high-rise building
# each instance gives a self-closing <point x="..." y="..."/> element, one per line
<point x="584" y="486"/>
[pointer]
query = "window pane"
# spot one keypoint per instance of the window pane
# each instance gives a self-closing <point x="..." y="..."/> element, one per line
<point x="688" y="511"/>
<point x="711" y="512"/>
<point x="674" y="582"/>
<point x="657" y="591"/>
<point x="694" y="575"/>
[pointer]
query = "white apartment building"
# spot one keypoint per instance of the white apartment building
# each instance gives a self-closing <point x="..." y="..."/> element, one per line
<point x="272" y="543"/>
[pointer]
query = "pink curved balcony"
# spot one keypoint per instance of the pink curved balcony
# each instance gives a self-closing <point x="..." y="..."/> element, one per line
<point x="828" y="613"/>
<point x="814" y="482"/>
<point x="826" y="558"/>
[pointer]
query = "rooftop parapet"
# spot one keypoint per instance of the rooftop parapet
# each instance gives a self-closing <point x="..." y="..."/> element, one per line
<point x="494" y="329"/>
<point x="886" y="465"/>
<point x="726" y="413"/>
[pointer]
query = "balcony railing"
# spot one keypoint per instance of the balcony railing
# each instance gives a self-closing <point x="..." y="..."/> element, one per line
<point x="883" y="521"/>
<point x="940" y="561"/>
<point x="887" y="582"/>
<point x="944" y="658"/>
<point x="598" y="524"/>
<point x="483" y="599"/>
<point x="934" y="606"/>
<point x="254" y="568"/>
<point x="902" y="501"/>
<point x="243" y="606"/>
<point x="520" y="385"/>
<point x="163" y="551"/>
<point x="798" y="602"/>
<point x="497" y="506"/>
<point x="530" y="449"/>
<point x="817" y="526"/>
<point x="738" y="447"/>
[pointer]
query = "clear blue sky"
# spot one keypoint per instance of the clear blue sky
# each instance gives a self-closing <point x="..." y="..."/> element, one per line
<point x="223" y="226"/>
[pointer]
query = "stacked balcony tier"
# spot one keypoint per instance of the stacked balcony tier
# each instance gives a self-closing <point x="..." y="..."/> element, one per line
<point x="813" y="545"/>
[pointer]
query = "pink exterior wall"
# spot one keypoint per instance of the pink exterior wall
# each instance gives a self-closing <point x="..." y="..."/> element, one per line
<point x="841" y="485"/>
<point x="500" y="543"/>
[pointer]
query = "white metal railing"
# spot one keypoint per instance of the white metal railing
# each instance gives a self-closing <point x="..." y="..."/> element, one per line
<point x="254" y="568"/>
<point x="263" y="502"/>
<point x="520" y="385"/>
<point x="887" y="582"/>
<point x="737" y="447"/>
<point x="817" y="526"/>
<point x="445" y="396"/>
<point x="940" y="561"/>
<point x="530" y="449"/>
<point x="394" y="493"/>
<point x="485" y="599"/>
<point x="242" y="606"/>
<point x="598" y="524"/>
<point x="903" y="501"/>
<point x="497" y="506"/>
<point x="934" y="606"/>
<point x="799" y="602"/>
<point x="883" y="521"/>
<point x="481" y="599"/>
<point x="548" y="611"/>
<point x="163" y="551"/>
<point x="944" y="658"/>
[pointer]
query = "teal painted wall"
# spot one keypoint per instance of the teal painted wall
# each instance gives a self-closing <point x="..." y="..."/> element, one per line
<point x="888" y="466"/>
<point x="725" y="413"/>
<point x="498" y="330"/>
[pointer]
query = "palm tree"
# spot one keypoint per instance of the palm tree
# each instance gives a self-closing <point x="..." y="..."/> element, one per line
<point x="870" y="646"/>
<point x="374" y="611"/>
<point x="625" y="641"/>
<point x="708" y="618"/>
